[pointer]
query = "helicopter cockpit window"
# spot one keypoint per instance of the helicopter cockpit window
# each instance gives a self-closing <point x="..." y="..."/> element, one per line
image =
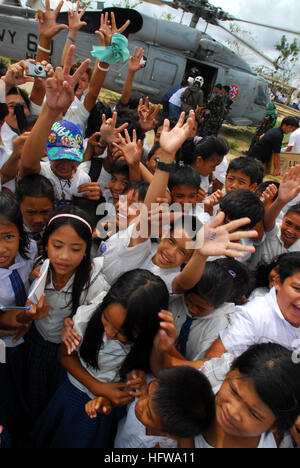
<point x="261" y="97"/>
<point x="164" y="72"/>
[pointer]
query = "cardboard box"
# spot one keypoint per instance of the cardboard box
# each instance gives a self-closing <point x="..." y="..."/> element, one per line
<point x="288" y="160"/>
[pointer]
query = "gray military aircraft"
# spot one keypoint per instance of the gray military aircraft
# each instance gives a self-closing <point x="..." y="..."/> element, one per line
<point x="173" y="51"/>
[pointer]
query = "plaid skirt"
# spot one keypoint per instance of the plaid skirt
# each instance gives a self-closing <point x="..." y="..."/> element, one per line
<point x="65" y="424"/>
<point x="43" y="372"/>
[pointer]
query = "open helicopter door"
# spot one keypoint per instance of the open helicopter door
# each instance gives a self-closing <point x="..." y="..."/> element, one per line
<point x="209" y="74"/>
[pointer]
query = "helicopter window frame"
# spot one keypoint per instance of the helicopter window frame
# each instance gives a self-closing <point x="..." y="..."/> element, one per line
<point x="166" y="78"/>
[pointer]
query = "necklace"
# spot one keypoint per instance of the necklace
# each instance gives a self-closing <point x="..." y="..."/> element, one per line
<point x="63" y="186"/>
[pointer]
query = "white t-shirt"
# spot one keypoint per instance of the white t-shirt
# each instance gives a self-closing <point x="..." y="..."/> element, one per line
<point x="77" y="114"/>
<point x="59" y="301"/>
<point x="175" y="99"/>
<point x="271" y="248"/>
<point x="68" y="187"/>
<point x="259" y="321"/>
<point x="104" y="178"/>
<point x="204" y="330"/>
<point x="132" y="433"/>
<point x="111" y="355"/>
<point x="295" y="141"/>
<point x="119" y="258"/>
<point x="221" y="170"/>
<point x="216" y="370"/>
<point x="24" y="268"/>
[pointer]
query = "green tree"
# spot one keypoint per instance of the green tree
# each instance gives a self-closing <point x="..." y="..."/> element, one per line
<point x="83" y="3"/>
<point x="287" y="60"/>
<point x="126" y="4"/>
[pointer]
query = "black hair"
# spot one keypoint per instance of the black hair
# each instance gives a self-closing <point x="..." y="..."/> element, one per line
<point x="3" y="69"/>
<point x="294" y="209"/>
<point x="119" y="167"/>
<point x="219" y="86"/>
<point x="22" y="92"/>
<point x="290" y="121"/>
<point x="214" y="274"/>
<point x="143" y="295"/>
<point x="288" y="265"/>
<point x="140" y="188"/>
<point x="34" y="185"/>
<point x="132" y="119"/>
<point x="3" y="111"/>
<point x="243" y="203"/>
<point x="242" y="277"/>
<point x="185" y="175"/>
<point x="264" y="185"/>
<point x="227" y="88"/>
<point x="191" y="225"/>
<point x="207" y="148"/>
<point x="160" y="121"/>
<point x="134" y="100"/>
<point x="263" y="271"/>
<point x="253" y="168"/>
<point x="10" y="211"/>
<point x="184" y="401"/>
<point x="83" y="272"/>
<point x="154" y="148"/>
<point x="75" y="67"/>
<point x="95" y="118"/>
<point x="276" y="379"/>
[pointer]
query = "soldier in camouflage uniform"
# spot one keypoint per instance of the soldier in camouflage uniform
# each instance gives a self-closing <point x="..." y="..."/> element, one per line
<point x="216" y="106"/>
<point x="268" y="122"/>
<point x="227" y="102"/>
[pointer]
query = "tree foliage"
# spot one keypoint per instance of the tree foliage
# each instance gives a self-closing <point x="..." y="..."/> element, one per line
<point x="287" y="59"/>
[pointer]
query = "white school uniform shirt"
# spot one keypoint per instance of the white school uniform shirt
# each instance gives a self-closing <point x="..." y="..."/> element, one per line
<point x="132" y="433"/>
<point x="221" y="170"/>
<point x="104" y="178"/>
<point x="69" y="187"/>
<point x="204" y="330"/>
<point x="295" y="141"/>
<point x="50" y="327"/>
<point x="120" y="258"/>
<point x="111" y="355"/>
<point x="271" y="248"/>
<point x="216" y="370"/>
<point x="259" y="321"/>
<point x="7" y="295"/>
<point x="77" y="114"/>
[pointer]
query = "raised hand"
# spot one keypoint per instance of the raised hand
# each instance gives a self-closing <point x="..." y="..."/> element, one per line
<point x="290" y="185"/>
<point x="60" y="88"/>
<point x="74" y="18"/>
<point x="147" y="115"/>
<point x="108" y="28"/>
<point x="131" y="150"/>
<point x="171" y="140"/>
<point x="134" y="64"/>
<point x="47" y="21"/>
<point x="216" y="238"/>
<point x="108" y="128"/>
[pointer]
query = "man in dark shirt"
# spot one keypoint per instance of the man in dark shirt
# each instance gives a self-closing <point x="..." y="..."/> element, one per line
<point x="270" y="144"/>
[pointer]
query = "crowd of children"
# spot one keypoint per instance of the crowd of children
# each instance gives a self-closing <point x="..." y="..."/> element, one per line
<point x="170" y="312"/>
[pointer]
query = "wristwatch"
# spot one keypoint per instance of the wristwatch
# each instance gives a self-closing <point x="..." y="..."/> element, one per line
<point x="166" y="167"/>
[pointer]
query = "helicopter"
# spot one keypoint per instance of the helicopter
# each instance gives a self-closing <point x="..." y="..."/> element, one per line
<point x="173" y="51"/>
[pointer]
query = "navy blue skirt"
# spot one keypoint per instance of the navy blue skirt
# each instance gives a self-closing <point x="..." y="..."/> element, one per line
<point x="44" y="373"/>
<point x="65" y="424"/>
<point x="13" y="407"/>
<point x="5" y="440"/>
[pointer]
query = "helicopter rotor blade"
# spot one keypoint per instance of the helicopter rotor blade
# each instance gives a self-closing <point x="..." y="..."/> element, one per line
<point x="247" y="45"/>
<point x="290" y="31"/>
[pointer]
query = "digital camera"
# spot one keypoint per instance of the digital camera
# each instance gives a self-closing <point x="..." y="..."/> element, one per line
<point x="36" y="70"/>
